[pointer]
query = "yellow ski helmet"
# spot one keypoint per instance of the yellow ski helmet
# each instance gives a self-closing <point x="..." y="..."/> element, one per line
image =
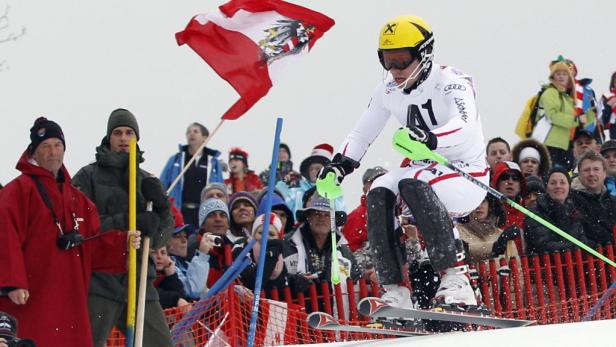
<point x="410" y="32"/>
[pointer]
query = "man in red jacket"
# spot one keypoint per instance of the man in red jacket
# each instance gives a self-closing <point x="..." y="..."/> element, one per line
<point x="46" y="264"/>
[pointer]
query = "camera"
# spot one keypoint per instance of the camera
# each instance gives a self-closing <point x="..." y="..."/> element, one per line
<point x="69" y="240"/>
<point x="16" y="342"/>
<point x="217" y="240"/>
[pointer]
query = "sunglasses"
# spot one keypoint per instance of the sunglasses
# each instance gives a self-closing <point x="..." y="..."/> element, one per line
<point x="395" y="61"/>
<point x="508" y="176"/>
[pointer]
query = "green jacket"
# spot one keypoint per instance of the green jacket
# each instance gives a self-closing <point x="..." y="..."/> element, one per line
<point x="105" y="182"/>
<point x="559" y="109"/>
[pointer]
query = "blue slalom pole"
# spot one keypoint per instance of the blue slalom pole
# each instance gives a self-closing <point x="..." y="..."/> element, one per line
<point x="264" y="234"/>
<point x="236" y="268"/>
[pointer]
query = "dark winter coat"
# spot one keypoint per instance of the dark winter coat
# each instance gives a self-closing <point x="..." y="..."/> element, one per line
<point x="105" y="182"/>
<point x="249" y="275"/>
<point x="56" y="314"/>
<point x="540" y="239"/>
<point x="170" y="289"/>
<point x="598" y="214"/>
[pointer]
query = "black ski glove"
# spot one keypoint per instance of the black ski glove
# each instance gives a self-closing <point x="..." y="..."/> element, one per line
<point x="340" y="166"/>
<point x="148" y="223"/>
<point x="299" y="283"/>
<point x="511" y="233"/>
<point x="152" y="190"/>
<point x="424" y="136"/>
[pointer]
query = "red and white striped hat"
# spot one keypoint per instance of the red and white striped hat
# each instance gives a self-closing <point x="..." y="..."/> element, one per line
<point x="274" y="221"/>
<point x="321" y="154"/>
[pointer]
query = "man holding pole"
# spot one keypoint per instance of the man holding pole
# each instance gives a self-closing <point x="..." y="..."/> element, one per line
<point x="105" y="182"/>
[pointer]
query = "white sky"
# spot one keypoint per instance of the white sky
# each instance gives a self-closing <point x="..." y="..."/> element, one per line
<point x="79" y="60"/>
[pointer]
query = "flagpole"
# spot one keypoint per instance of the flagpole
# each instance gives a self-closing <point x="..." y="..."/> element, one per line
<point x="264" y="234"/>
<point x="194" y="157"/>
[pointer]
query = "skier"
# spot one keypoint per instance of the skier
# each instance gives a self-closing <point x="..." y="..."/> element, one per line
<point x="437" y="105"/>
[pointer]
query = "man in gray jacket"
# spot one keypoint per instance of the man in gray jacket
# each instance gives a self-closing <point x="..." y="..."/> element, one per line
<point x="105" y="182"/>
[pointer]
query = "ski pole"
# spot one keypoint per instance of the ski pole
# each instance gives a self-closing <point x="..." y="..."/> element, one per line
<point x="418" y="151"/>
<point x="329" y="189"/>
<point x="264" y="234"/>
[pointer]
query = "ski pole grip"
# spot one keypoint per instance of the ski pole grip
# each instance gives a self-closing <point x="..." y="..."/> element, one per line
<point x="328" y="187"/>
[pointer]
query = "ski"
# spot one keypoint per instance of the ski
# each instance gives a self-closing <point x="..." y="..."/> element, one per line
<point x="324" y="321"/>
<point x="376" y="308"/>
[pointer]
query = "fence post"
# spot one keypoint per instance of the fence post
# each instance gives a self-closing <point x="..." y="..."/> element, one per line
<point x="515" y="277"/>
<point x="579" y="263"/>
<point x="572" y="287"/>
<point x="549" y="282"/>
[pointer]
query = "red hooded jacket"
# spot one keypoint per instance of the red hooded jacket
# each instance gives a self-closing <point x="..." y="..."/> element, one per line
<point x="355" y="230"/>
<point x="56" y="313"/>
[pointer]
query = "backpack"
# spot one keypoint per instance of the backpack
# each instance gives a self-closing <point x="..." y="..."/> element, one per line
<point x="528" y="118"/>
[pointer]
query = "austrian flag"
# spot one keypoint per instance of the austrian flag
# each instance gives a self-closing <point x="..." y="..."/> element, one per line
<point x="247" y="42"/>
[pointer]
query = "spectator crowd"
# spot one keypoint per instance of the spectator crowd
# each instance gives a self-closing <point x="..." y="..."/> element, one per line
<point x="207" y="209"/>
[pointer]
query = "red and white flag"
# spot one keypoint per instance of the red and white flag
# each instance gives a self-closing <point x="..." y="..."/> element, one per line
<point x="247" y="42"/>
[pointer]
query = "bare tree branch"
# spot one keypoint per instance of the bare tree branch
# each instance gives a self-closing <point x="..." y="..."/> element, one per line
<point x="7" y="34"/>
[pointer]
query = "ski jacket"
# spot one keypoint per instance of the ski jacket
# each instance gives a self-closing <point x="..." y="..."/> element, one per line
<point x="105" y="182"/>
<point x="598" y="214"/>
<point x="443" y="104"/>
<point x="250" y="183"/>
<point x="169" y="288"/>
<point x="303" y="256"/>
<point x="193" y="274"/>
<point x="540" y="239"/>
<point x="56" y="313"/>
<point x="355" y="229"/>
<point x="560" y="117"/>
<point x="293" y="195"/>
<point x="175" y="165"/>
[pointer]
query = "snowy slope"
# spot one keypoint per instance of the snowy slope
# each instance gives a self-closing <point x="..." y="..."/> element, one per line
<point x="595" y="334"/>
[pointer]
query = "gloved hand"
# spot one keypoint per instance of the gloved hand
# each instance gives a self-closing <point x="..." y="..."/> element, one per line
<point x="152" y="190"/>
<point x="424" y="136"/>
<point x="510" y="233"/>
<point x="299" y="283"/>
<point x="147" y="222"/>
<point x="340" y="166"/>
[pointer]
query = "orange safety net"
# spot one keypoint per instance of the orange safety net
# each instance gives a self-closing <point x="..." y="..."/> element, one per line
<point x="552" y="288"/>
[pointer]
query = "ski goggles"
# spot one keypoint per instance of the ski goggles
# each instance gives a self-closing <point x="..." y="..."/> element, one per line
<point x="398" y="60"/>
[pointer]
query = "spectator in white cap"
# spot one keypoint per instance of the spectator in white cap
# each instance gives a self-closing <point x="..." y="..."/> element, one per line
<point x="533" y="158"/>
<point x="294" y="184"/>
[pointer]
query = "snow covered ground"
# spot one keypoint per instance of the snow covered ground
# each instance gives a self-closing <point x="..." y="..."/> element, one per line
<point x="595" y="334"/>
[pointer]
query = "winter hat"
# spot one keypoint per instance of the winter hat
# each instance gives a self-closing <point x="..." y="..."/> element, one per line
<point x="242" y="196"/>
<point x="286" y="148"/>
<point x="321" y="154"/>
<point x="530" y="152"/>
<point x="608" y="145"/>
<point x="8" y="326"/>
<point x="560" y="64"/>
<point x="215" y="185"/>
<point x="373" y="173"/>
<point x="42" y="130"/>
<point x="274" y="220"/>
<point x="179" y="222"/>
<point x="534" y="184"/>
<point x="240" y="154"/>
<point x="501" y="167"/>
<point x="278" y="203"/>
<point x="209" y="206"/>
<point x="121" y="117"/>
